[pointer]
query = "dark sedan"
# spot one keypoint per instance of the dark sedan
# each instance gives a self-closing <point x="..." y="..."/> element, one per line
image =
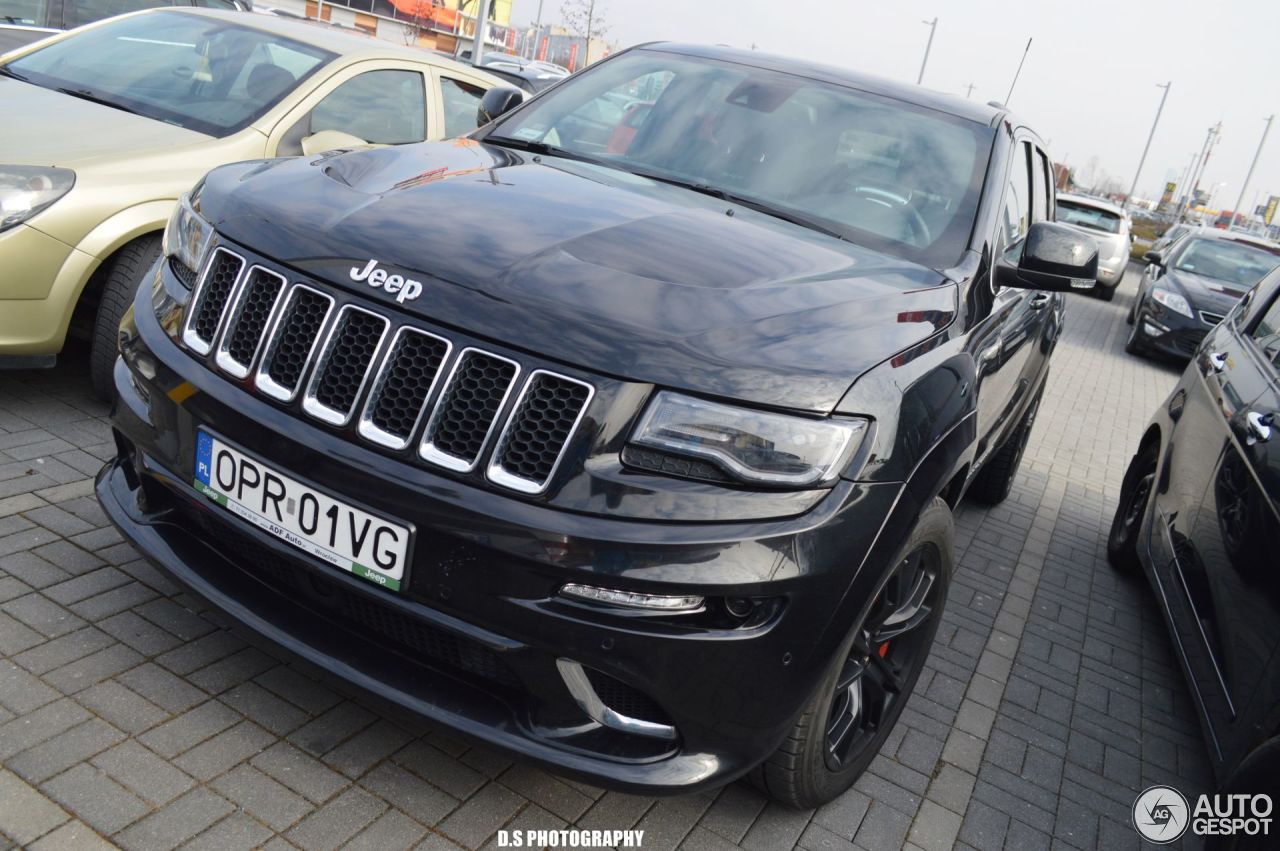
<point x="1199" y="513"/>
<point x="25" y="21"/>
<point x="1188" y="289"/>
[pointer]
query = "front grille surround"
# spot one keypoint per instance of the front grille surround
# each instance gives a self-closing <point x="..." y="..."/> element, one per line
<point x="228" y="357"/>
<point x="1209" y="318"/>
<point x="498" y="472"/>
<point x="424" y="396"/>
<point x="197" y="334"/>
<point x="388" y="379"/>
<point x="312" y="402"/>
<point x="430" y="449"/>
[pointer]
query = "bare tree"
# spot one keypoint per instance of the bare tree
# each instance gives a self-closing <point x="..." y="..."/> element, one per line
<point x="584" y="18"/>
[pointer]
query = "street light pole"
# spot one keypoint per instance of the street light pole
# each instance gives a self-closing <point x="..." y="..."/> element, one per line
<point x="933" y="26"/>
<point x="1252" y="166"/>
<point x="1141" y="162"/>
<point x="1194" y="180"/>
<point x="1017" y="73"/>
<point x="968" y="90"/>
<point x="482" y="30"/>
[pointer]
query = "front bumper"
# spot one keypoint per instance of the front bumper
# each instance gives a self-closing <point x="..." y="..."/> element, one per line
<point x="40" y="281"/>
<point x="475" y="638"/>
<point x="1111" y="272"/>
<point x="1167" y="332"/>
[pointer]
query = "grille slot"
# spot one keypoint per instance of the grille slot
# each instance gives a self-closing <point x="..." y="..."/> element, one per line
<point x="293" y="338"/>
<point x="533" y="440"/>
<point x="1210" y="318"/>
<point x="249" y="317"/>
<point x="212" y="293"/>
<point x="345" y="365"/>
<point x="183" y="272"/>
<point x="405" y="382"/>
<point x="463" y="419"/>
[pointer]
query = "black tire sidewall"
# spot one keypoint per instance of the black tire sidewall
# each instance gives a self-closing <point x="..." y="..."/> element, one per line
<point x="1124" y="557"/>
<point x="128" y="268"/>
<point x="819" y="783"/>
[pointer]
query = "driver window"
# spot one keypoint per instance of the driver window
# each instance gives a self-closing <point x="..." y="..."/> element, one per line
<point x="386" y="107"/>
<point x="1017" y="200"/>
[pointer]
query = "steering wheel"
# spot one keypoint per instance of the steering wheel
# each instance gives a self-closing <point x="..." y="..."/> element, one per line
<point x="895" y="200"/>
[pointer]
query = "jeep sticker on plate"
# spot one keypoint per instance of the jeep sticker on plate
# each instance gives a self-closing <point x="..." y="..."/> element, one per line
<point x="314" y="522"/>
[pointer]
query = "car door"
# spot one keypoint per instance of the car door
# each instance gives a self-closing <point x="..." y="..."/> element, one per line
<point x="380" y="102"/>
<point x="1216" y="512"/>
<point x="1000" y="343"/>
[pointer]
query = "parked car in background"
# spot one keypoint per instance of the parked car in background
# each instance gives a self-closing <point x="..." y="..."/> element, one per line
<point x="123" y="116"/>
<point x="1110" y="228"/>
<point x="1188" y="289"/>
<point x="639" y="463"/>
<point x="527" y="75"/>
<point x="25" y="21"/>
<point x="1199" y="515"/>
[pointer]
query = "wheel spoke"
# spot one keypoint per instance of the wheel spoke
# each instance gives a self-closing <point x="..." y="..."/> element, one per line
<point x="910" y="613"/>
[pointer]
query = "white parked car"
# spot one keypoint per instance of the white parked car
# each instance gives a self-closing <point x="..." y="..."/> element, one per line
<point x="1109" y="226"/>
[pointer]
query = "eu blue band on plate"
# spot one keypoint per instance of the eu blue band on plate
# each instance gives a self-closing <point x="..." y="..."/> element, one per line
<point x="204" y="456"/>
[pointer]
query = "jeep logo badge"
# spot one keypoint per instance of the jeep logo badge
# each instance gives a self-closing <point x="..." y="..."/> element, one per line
<point x="404" y="289"/>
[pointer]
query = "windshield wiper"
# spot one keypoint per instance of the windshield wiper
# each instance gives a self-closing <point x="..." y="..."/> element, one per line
<point x="742" y="201"/>
<point x="542" y="148"/>
<point x="85" y="94"/>
<point x="9" y="72"/>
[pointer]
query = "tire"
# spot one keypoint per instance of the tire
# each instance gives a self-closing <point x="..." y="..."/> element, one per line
<point x="127" y="268"/>
<point x="1122" y="540"/>
<point x="995" y="480"/>
<point x="1257" y="774"/>
<point x="802" y="773"/>
<point x="1107" y="293"/>
<point x="1134" y="345"/>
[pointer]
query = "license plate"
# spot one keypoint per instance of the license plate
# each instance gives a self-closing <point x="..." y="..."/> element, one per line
<point x="314" y="522"/>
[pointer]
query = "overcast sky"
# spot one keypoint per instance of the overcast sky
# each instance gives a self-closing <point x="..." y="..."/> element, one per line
<point x="1089" y="84"/>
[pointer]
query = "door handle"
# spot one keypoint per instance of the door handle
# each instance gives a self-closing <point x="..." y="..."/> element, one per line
<point x="1039" y="301"/>
<point x="1217" y="361"/>
<point x="1258" y="427"/>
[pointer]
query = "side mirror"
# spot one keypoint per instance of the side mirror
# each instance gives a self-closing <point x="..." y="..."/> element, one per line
<point x="496" y="102"/>
<point x="1053" y="257"/>
<point x="1154" y="257"/>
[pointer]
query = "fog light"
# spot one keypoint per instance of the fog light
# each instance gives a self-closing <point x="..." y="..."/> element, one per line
<point x="633" y="600"/>
<point x="1152" y="330"/>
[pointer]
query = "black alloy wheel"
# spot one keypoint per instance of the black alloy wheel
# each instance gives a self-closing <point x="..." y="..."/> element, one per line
<point x="888" y="651"/>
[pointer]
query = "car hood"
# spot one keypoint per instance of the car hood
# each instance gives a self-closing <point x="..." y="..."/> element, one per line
<point x="67" y="131"/>
<point x="591" y="266"/>
<point x="1208" y="294"/>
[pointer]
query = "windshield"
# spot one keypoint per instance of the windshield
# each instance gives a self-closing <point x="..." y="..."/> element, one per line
<point x="1088" y="217"/>
<point x="23" y="12"/>
<point x="1227" y="261"/>
<point x="875" y="171"/>
<point x="204" y="74"/>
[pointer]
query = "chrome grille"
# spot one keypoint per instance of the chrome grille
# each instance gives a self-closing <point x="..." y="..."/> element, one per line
<point x="402" y="388"/>
<point x="293" y="338"/>
<point x="249" y="317"/>
<point x="1210" y="318"/>
<point x="221" y="273"/>
<point x="288" y="336"/>
<point x="532" y="442"/>
<point x="468" y="409"/>
<point x="344" y="365"/>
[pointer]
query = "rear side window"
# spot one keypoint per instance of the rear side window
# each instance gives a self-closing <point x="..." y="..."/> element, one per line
<point x="460" y="100"/>
<point x="77" y="12"/>
<point x="31" y="13"/>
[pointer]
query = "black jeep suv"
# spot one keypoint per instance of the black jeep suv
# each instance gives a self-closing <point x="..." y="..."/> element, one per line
<point x="627" y="445"/>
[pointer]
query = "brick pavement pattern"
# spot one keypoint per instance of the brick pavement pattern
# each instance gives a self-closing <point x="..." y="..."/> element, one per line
<point x="132" y="716"/>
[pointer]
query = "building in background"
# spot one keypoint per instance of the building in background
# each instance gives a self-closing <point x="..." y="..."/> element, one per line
<point x="446" y="25"/>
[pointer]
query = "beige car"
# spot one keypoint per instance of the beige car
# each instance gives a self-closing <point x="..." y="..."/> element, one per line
<point x="105" y="126"/>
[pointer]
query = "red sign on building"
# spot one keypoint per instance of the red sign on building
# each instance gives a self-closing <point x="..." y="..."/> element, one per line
<point x="573" y="57"/>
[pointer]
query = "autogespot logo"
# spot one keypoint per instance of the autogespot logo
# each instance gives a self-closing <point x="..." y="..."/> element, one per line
<point x="1160" y="814"/>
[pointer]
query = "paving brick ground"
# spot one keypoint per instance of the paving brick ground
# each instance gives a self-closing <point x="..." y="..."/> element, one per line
<point x="130" y="716"/>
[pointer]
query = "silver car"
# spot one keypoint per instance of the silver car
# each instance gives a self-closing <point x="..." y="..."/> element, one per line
<point x="1109" y="227"/>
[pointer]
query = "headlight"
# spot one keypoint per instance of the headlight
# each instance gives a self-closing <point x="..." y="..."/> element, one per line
<point x="26" y="190"/>
<point x="187" y="235"/>
<point x="1172" y="300"/>
<point x="753" y="446"/>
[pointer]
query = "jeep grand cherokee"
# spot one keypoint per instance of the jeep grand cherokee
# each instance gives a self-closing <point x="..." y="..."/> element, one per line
<point x="634" y="455"/>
